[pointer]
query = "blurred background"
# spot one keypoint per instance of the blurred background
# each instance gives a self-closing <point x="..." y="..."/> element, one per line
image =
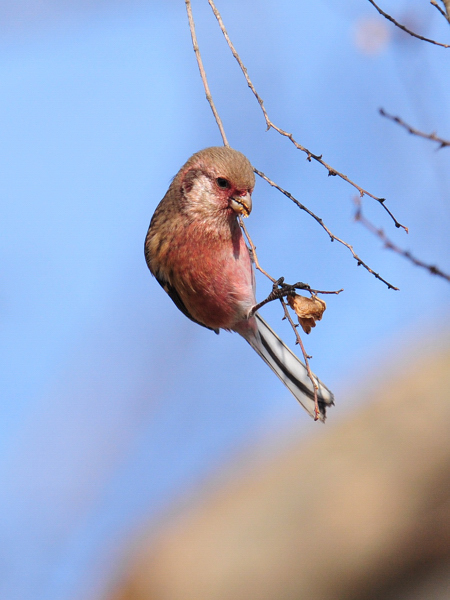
<point x="120" y="418"/>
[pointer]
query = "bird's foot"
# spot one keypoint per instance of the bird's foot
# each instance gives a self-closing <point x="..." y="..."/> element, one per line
<point x="279" y="290"/>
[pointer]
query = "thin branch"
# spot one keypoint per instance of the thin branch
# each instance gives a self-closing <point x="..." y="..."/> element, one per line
<point x="403" y="28"/>
<point x="287" y="194"/>
<point x="278" y="294"/>
<point x="241" y="64"/>
<point x="391" y="246"/>
<point x="306" y="357"/>
<point x="443" y="13"/>
<point x="253" y="247"/>
<point x="446" y="3"/>
<point x="203" y="73"/>
<point x="331" y="235"/>
<point x="429" y="136"/>
<point x="280" y="289"/>
<point x="435" y="4"/>
<point x="270" y="125"/>
<point x="287" y="316"/>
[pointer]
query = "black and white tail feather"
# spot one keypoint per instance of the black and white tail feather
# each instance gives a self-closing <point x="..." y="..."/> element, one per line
<point x="290" y="369"/>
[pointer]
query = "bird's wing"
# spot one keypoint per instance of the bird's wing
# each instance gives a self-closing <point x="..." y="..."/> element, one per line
<point x="175" y="296"/>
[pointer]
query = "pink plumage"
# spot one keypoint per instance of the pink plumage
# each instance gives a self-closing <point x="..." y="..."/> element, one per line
<point x="195" y="249"/>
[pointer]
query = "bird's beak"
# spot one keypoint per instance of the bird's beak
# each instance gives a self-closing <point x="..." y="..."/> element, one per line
<point x="242" y="205"/>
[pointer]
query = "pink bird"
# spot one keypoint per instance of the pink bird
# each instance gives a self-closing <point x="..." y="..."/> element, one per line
<point x="195" y="249"/>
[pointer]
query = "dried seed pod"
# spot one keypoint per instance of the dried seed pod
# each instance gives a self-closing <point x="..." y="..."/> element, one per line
<point x="308" y="310"/>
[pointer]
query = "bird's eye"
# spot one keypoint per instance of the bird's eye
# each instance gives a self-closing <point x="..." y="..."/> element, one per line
<point x="222" y="183"/>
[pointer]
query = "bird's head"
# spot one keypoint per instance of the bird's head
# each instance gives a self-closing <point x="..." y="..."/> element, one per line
<point x="218" y="180"/>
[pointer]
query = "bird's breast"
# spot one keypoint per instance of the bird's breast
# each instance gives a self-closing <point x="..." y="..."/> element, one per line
<point x="213" y="274"/>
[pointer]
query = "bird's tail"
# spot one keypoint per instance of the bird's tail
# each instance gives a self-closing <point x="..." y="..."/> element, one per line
<point x="289" y="369"/>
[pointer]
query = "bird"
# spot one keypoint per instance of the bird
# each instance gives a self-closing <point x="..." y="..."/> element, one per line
<point x="195" y="249"/>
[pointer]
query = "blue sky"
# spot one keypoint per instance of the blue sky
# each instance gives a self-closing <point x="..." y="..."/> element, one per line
<point x="113" y="405"/>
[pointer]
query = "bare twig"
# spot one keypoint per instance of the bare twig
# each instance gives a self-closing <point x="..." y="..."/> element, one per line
<point x="241" y="64"/>
<point x="280" y="289"/>
<point x="429" y="136"/>
<point x="287" y="194"/>
<point x="331" y="235"/>
<point x="446" y="3"/>
<point x="403" y="28"/>
<point x="391" y="246"/>
<point x="203" y="73"/>
<point x="278" y="294"/>
<point x="306" y="357"/>
<point x="272" y="297"/>
<point x="443" y="13"/>
<point x="270" y="125"/>
<point x="253" y="247"/>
